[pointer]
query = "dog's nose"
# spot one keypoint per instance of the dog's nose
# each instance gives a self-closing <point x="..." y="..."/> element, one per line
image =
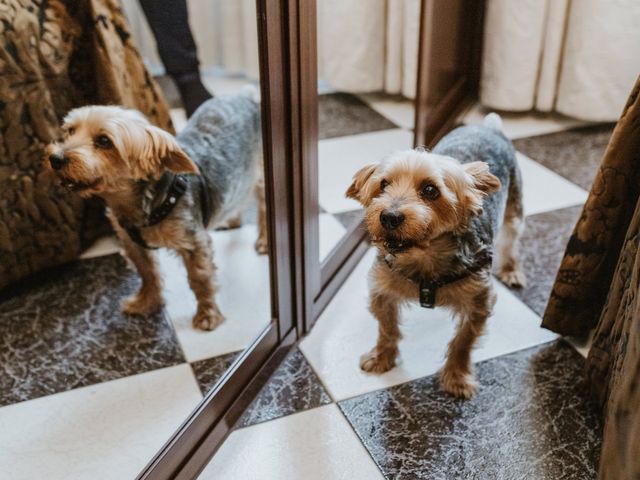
<point x="58" y="160"/>
<point x="391" y="219"/>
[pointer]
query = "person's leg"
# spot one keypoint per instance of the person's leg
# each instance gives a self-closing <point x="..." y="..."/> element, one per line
<point x="169" y="22"/>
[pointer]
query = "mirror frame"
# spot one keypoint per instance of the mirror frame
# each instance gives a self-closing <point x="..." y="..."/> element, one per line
<point x="193" y="444"/>
<point x="301" y="286"/>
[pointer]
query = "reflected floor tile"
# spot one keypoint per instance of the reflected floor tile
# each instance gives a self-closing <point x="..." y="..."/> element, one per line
<point x="242" y="277"/>
<point x="347" y="219"/>
<point x="543" y="190"/>
<point x="209" y="371"/>
<point x="227" y="84"/>
<point x="330" y="233"/>
<point x="532" y="418"/>
<point x="398" y="109"/>
<point x="178" y="118"/>
<point x="108" y="431"/>
<point x="293" y="387"/>
<point x="318" y="444"/>
<point x="65" y="330"/>
<point x="101" y="247"/>
<point x="346" y="329"/>
<point x="343" y="114"/>
<point x="542" y="246"/>
<point x="528" y="124"/>
<point x="340" y="158"/>
<point x="575" y="154"/>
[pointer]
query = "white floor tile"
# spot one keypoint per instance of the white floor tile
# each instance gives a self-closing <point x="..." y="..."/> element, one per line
<point x="225" y="85"/>
<point x="545" y="190"/>
<point x="399" y="111"/>
<point x="346" y="330"/>
<point x="243" y="295"/>
<point x="178" y="118"/>
<point x="105" y="431"/>
<point x="316" y="444"/>
<point x="102" y="246"/>
<point x="581" y="345"/>
<point x="520" y="125"/>
<point x="340" y="158"/>
<point x="331" y="232"/>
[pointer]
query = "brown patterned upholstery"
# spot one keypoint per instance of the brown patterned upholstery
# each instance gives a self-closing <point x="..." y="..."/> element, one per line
<point x="55" y="56"/>
<point x="598" y="286"/>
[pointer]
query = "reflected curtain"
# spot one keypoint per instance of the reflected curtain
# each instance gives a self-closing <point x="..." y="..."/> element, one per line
<point x="579" y="58"/>
<point x="363" y="46"/>
<point x="598" y="286"/>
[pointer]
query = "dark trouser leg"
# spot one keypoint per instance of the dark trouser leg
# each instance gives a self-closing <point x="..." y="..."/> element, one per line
<point x="169" y="22"/>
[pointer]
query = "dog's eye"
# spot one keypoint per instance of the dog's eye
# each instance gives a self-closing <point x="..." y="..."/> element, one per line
<point x="70" y="131"/>
<point x="383" y="184"/>
<point x="102" y="141"/>
<point x="429" y="192"/>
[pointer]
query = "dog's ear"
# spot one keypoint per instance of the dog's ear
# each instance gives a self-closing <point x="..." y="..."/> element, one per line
<point x="482" y="183"/>
<point x="357" y="189"/>
<point x="483" y="179"/>
<point x="164" y="148"/>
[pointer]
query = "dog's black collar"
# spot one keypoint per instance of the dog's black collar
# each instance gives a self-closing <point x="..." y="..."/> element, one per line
<point x="173" y="187"/>
<point x="428" y="287"/>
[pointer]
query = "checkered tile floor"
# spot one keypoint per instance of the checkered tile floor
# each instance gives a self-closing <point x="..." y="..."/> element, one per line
<point x="86" y="392"/>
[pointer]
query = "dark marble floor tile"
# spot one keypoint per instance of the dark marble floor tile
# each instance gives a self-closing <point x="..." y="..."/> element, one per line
<point x="542" y="247"/>
<point x="209" y="371"/>
<point x="531" y="419"/>
<point x="347" y="219"/>
<point x="293" y="387"/>
<point x="342" y="114"/>
<point x="575" y="154"/>
<point x="65" y="329"/>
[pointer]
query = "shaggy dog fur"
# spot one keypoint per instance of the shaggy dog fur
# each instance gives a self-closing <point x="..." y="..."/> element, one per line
<point x="433" y="217"/>
<point x="115" y="153"/>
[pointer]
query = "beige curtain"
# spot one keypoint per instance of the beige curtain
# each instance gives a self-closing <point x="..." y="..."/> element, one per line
<point x="363" y="45"/>
<point x="579" y="58"/>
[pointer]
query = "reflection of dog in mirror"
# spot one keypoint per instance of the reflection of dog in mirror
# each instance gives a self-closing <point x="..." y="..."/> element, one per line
<point x="433" y="217"/>
<point x="163" y="191"/>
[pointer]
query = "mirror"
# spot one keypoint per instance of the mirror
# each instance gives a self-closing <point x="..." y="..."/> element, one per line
<point x="87" y="389"/>
<point x="365" y="101"/>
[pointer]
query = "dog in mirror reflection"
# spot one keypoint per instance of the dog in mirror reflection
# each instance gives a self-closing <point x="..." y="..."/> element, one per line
<point x="165" y="191"/>
<point x="433" y="217"/>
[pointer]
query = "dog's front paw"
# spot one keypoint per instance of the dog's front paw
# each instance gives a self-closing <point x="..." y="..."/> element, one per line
<point x="458" y="384"/>
<point x="377" y="361"/>
<point x="207" y="318"/>
<point x="262" y="246"/>
<point x="512" y="278"/>
<point x="142" y="304"/>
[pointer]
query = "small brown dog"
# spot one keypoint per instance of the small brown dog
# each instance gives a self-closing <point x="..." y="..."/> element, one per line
<point x="163" y="191"/>
<point x="433" y="217"/>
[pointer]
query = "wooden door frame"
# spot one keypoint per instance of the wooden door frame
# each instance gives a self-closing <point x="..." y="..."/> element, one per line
<point x="434" y="120"/>
<point x="191" y="447"/>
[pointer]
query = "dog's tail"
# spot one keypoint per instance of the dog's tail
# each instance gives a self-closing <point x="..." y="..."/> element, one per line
<point x="251" y="91"/>
<point x="493" y="120"/>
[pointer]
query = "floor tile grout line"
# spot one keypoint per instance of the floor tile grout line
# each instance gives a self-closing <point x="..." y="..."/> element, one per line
<point x="104" y="382"/>
<point x="436" y="373"/>
<point x="361" y="440"/>
<point x="318" y="376"/>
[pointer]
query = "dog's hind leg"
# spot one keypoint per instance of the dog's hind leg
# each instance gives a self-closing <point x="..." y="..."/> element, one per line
<point x="201" y="270"/>
<point x="508" y="241"/>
